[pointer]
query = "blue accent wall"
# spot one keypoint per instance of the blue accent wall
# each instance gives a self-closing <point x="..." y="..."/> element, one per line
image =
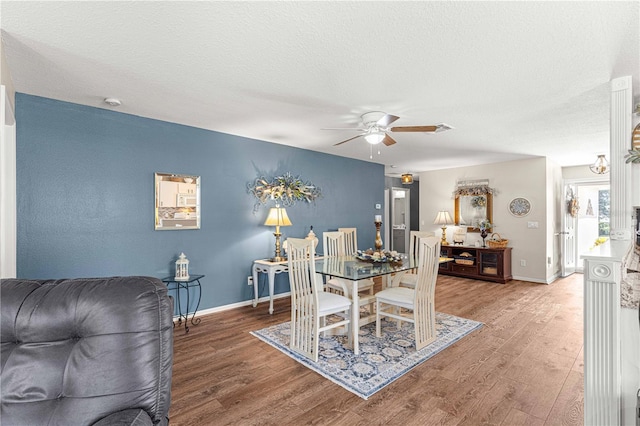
<point x="85" y="188"/>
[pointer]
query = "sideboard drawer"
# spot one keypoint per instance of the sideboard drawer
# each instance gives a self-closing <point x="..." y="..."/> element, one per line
<point x="464" y="269"/>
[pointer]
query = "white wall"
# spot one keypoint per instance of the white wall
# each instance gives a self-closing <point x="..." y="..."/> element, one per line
<point x="8" y="220"/>
<point x="5" y="78"/>
<point x="532" y="179"/>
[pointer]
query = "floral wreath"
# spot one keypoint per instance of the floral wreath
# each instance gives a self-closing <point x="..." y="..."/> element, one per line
<point x="285" y="189"/>
<point x="478" y="201"/>
<point x="473" y="190"/>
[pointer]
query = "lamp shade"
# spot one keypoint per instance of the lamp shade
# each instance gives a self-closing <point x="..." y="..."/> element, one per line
<point x="443" y="218"/>
<point x="277" y="217"/>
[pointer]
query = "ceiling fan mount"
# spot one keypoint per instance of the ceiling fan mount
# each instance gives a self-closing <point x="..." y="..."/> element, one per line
<point x="376" y="124"/>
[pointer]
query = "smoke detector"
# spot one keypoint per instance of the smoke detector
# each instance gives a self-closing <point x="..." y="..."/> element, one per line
<point x="112" y="102"/>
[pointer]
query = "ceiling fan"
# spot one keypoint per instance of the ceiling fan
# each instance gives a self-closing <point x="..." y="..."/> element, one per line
<point x="376" y="124"/>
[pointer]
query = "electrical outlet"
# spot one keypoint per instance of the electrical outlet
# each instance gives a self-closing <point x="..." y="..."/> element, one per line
<point x="523" y="262"/>
<point x="249" y="280"/>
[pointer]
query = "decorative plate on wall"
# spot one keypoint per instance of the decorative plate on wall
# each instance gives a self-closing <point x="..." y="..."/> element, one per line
<point x="519" y="207"/>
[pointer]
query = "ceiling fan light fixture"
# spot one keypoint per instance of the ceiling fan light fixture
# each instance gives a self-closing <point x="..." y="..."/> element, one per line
<point x="601" y="165"/>
<point x="374" y="138"/>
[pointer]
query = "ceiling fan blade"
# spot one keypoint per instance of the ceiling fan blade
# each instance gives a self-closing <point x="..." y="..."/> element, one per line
<point x="414" y="129"/>
<point x="386" y="120"/>
<point x="359" y="129"/>
<point x="388" y="140"/>
<point x="347" y="140"/>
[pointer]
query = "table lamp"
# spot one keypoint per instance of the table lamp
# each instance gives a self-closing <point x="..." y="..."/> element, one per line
<point x="277" y="217"/>
<point x="443" y="218"/>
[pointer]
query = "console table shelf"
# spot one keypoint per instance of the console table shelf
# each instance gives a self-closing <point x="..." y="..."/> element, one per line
<point x="489" y="264"/>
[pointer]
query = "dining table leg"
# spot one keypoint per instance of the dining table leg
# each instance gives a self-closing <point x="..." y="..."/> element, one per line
<point x="355" y="317"/>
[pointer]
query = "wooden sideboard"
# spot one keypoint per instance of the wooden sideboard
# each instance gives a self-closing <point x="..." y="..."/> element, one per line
<point x="489" y="264"/>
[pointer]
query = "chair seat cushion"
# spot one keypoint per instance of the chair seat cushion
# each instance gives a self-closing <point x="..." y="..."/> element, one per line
<point x="401" y="296"/>
<point x="336" y="283"/>
<point x="330" y="302"/>
<point x="409" y="279"/>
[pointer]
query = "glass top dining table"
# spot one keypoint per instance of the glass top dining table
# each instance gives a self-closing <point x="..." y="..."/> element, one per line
<point x="353" y="269"/>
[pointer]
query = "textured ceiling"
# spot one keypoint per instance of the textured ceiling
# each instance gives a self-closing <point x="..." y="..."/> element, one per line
<point x="514" y="79"/>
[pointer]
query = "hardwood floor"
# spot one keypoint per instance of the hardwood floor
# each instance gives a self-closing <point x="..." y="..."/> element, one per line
<point x="523" y="367"/>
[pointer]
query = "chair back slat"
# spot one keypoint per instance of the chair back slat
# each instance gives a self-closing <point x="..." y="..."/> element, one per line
<point x="413" y="239"/>
<point x="350" y="239"/>
<point x="304" y="296"/>
<point x="424" y="294"/>
<point x="333" y="243"/>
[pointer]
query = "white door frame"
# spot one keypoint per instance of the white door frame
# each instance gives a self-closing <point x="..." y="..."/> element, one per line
<point x="569" y="256"/>
<point x="407" y="219"/>
<point x="8" y="209"/>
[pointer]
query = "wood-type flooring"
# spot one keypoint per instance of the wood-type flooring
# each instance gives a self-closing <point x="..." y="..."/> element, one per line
<point x="523" y="367"/>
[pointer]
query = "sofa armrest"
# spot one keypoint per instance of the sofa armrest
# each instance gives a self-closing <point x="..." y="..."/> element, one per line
<point x="130" y="417"/>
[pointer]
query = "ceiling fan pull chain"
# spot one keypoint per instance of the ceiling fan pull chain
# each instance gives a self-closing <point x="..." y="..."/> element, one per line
<point x="370" y="152"/>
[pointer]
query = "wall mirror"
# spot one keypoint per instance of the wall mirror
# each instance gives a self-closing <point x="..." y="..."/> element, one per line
<point x="473" y="204"/>
<point x="177" y="201"/>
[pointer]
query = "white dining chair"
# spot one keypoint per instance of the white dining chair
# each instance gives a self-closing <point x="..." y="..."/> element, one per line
<point x="410" y="277"/>
<point x="334" y="244"/>
<point x="350" y="239"/>
<point x="310" y="304"/>
<point x="419" y="301"/>
<point x="351" y="247"/>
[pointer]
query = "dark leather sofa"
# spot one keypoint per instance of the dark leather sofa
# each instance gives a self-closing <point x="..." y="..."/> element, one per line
<point x="95" y="351"/>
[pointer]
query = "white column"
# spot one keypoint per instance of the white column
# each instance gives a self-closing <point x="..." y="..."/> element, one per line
<point x="620" y="143"/>
<point x="602" y="389"/>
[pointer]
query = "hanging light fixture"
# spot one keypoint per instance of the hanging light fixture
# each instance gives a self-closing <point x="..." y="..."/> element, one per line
<point x="374" y="138"/>
<point x="407" y="179"/>
<point x="601" y="165"/>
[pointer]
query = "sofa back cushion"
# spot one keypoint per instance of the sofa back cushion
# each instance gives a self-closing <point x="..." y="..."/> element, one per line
<point x="76" y="350"/>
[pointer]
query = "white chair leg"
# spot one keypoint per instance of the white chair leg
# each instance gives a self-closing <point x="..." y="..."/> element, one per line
<point x="377" y="318"/>
<point x="349" y="327"/>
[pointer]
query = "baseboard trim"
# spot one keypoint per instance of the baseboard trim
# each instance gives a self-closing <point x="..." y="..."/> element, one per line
<point x="238" y="305"/>
<point x="533" y="280"/>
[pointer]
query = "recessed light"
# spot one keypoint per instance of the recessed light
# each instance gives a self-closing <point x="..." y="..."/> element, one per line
<point x="112" y="101"/>
<point x="393" y="166"/>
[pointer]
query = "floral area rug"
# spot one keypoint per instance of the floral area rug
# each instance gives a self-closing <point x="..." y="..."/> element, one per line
<point x="381" y="360"/>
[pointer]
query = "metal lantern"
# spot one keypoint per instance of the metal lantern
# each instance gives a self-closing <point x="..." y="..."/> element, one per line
<point x="182" y="268"/>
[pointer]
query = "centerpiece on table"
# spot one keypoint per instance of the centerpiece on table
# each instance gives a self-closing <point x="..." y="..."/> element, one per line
<point x="381" y="256"/>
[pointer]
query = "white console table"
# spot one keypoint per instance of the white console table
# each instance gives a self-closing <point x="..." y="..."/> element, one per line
<point x="271" y="269"/>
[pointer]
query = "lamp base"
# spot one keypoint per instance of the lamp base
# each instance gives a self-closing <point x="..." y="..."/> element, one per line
<point x="443" y="241"/>
<point x="278" y="259"/>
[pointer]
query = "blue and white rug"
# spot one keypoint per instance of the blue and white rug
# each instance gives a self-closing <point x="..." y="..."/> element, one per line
<point x="381" y="360"/>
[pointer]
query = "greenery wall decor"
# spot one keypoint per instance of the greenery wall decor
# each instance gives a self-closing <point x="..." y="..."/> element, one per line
<point x="285" y="190"/>
<point x="633" y="156"/>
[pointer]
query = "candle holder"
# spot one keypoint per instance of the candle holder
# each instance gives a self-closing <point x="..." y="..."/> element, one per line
<point x="378" y="237"/>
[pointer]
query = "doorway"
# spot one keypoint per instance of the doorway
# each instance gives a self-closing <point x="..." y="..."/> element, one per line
<point x="400" y="219"/>
<point x="585" y="221"/>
